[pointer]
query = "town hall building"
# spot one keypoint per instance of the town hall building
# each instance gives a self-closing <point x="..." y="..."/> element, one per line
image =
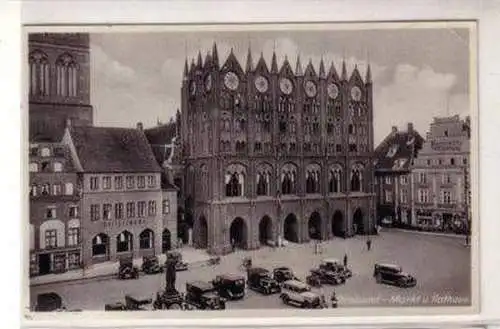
<point x="274" y="154"/>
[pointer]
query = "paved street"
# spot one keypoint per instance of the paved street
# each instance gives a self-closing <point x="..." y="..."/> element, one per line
<point x="440" y="264"/>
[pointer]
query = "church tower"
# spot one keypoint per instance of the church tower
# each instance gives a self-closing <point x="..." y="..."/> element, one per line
<point x="59" y="84"/>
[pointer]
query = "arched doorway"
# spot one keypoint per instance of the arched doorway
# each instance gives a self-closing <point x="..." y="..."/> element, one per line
<point x="238" y="233"/>
<point x="358" y="222"/>
<point x="290" y="229"/>
<point x="124" y="242"/>
<point x="314" y="226"/>
<point x="166" y="241"/>
<point x="202" y="233"/>
<point x="265" y="230"/>
<point x="338" y="224"/>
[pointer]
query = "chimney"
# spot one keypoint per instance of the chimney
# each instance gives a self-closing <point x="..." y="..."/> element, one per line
<point x="410" y="127"/>
<point x="139" y="125"/>
<point x="394" y="129"/>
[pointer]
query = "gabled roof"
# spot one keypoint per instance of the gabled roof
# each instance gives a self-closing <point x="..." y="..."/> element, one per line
<point x="397" y="150"/>
<point x="162" y="134"/>
<point x="104" y="149"/>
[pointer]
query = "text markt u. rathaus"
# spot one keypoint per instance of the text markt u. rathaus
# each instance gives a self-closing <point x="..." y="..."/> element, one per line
<point x="275" y="154"/>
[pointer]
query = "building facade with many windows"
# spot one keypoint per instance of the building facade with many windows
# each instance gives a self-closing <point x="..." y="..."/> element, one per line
<point x="54" y="210"/>
<point x="275" y="153"/>
<point x="122" y="199"/>
<point x="394" y="158"/>
<point x="441" y="177"/>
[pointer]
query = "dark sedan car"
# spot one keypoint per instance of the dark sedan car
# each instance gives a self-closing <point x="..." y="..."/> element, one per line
<point x="393" y="274"/>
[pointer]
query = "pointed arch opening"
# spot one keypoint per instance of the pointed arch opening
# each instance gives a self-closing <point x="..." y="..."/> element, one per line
<point x="124" y="242"/>
<point x="100" y="245"/>
<point x="357" y="178"/>
<point x="313" y="178"/>
<point x="314" y="226"/>
<point x="358" y="222"/>
<point x="238" y="233"/>
<point x="338" y="224"/>
<point x="334" y="179"/>
<point x="201" y="235"/>
<point x="291" y="228"/>
<point x="146" y="239"/>
<point x="265" y="230"/>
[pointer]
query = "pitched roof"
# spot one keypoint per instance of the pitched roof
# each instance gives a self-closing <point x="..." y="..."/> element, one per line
<point x="397" y="150"/>
<point x="104" y="149"/>
<point x="160" y="138"/>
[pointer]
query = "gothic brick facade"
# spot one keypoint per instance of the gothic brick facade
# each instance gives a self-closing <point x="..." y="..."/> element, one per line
<point x="274" y="154"/>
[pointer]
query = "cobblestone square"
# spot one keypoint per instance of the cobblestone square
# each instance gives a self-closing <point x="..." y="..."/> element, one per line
<point x="441" y="265"/>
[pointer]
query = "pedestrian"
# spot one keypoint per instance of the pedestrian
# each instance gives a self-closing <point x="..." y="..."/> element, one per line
<point x="323" y="301"/>
<point x="232" y="244"/>
<point x="345" y="260"/>
<point x="369" y="244"/>
<point x="333" y="300"/>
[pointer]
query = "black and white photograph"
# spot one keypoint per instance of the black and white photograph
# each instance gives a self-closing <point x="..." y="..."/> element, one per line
<point x="251" y="167"/>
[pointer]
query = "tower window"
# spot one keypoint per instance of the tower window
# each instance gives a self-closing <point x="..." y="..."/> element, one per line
<point x="282" y="127"/>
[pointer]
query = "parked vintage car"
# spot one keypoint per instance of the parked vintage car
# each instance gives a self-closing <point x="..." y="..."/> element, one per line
<point x="326" y="277"/>
<point x="51" y="302"/>
<point x="151" y="265"/>
<point x="334" y="265"/>
<point x="299" y="294"/>
<point x="131" y="304"/>
<point x="283" y="273"/>
<point x="203" y="295"/>
<point x="393" y="274"/>
<point x="260" y="280"/>
<point x="230" y="286"/>
<point x="177" y="257"/>
<point x="127" y="270"/>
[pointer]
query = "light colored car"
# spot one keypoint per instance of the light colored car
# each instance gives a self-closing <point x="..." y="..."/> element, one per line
<point x="299" y="294"/>
<point x="334" y="265"/>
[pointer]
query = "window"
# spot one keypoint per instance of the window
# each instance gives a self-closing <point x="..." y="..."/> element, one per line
<point x="45" y="166"/>
<point x="312" y="181"/>
<point x="423" y="195"/>
<point x="356" y="179"/>
<point x="404" y="196"/>
<point x="118" y="182"/>
<point x="56" y="189"/>
<point x="130" y="209"/>
<point x="428" y="162"/>
<point x="166" y="206"/>
<point x="73" y="211"/>
<point x="152" y="208"/>
<point x="66" y="76"/>
<point x="446" y="178"/>
<point x="100" y="245"/>
<point x="141" y="182"/>
<point x="282" y="127"/>
<point x="141" y="209"/>
<point x="151" y="181"/>
<point x="94" y="183"/>
<point x="39" y="74"/>
<point x="146" y="239"/>
<point x="288" y="181"/>
<point x="106" y="211"/>
<point x="452" y="161"/>
<point x="45" y="189"/>
<point x="68" y="189"/>
<point x="124" y="242"/>
<point x="387" y="196"/>
<point x="51" y="213"/>
<point x="464" y="161"/>
<point x="353" y="147"/>
<point x="403" y="180"/>
<point x="234" y="184"/>
<point x="106" y="182"/>
<point x="33" y="167"/>
<point x="130" y="182"/>
<point x="94" y="212"/>
<point x="118" y="210"/>
<point x="334" y="182"/>
<point x="51" y="239"/>
<point x="446" y="197"/>
<point x="351" y="129"/>
<point x="57" y="167"/>
<point x="338" y="148"/>
<point x="33" y="190"/>
<point x="422" y="178"/>
<point x="45" y="152"/>
<point x="388" y="180"/>
<point x="73" y="236"/>
<point x="74" y="260"/>
<point x="263" y="183"/>
<point x="258" y="147"/>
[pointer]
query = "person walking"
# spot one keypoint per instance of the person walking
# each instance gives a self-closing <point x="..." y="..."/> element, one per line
<point x="369" y="244"/>
<point x="334" y="300"/>
<point x="345" y="260"/>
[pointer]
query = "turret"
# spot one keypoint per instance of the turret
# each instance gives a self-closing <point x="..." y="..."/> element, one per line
<point x="298" y="67"/>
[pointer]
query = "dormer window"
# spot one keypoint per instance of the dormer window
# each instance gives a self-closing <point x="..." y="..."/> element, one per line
<point x="45" y="152"/>
<point x="57" y="167"/>
<point x="392" y="151"/>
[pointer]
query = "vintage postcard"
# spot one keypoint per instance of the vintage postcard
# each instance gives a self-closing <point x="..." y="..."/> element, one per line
<point x="330" y="168"/>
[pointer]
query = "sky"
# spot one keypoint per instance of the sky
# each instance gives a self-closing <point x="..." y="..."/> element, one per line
<point x="418" y="73"/>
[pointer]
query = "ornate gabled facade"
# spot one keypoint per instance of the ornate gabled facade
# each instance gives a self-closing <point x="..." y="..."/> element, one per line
<point x="274" y="154"/>
<point x="59" y="84"/>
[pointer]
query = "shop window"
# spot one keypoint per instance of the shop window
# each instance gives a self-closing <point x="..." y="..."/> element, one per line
<point x="74" y="260"/>
<point x="100" y="245"/>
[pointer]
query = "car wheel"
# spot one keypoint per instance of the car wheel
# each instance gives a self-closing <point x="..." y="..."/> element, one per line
<point x="285" y="299"/>
<point x="378" y="277"/>
<point x="175" y="306"/>
<point x="306" y="305"/>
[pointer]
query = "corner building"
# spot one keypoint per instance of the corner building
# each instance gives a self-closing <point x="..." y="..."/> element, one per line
<point x="275" y="154"/>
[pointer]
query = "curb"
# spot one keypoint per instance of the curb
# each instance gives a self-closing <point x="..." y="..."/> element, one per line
<point x="104" y="277"/>
<point x="448" y="235"/>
